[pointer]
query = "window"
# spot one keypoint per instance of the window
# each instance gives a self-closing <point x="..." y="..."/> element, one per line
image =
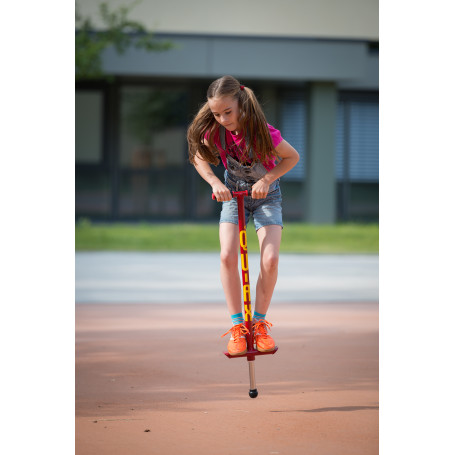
<point x="89" y="126"/>
<point x="153" y="151"/>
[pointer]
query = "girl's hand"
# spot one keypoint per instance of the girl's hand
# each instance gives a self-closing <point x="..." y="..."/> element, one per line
<point x="221" y="192"/>
<point x="260" y="190"/>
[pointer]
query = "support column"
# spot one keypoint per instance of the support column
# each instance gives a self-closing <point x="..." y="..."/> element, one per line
<point x="320" y="183"/>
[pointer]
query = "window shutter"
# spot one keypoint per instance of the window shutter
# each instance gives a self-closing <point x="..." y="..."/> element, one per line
<point x="361" y="120"/>
<point x="340" y="142"/>
<point x="364" y="140"/>
<point x="293" y="129"/>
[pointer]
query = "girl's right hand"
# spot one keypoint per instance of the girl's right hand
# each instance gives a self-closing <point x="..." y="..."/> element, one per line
<point x="221" y="192"/>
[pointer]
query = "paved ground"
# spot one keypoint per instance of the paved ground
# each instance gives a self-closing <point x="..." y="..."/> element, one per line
<point x="186" y="277"/>
<point x="152" y="379"/>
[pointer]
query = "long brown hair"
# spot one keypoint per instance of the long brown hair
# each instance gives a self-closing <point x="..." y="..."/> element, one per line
<point x="252" y="122"/>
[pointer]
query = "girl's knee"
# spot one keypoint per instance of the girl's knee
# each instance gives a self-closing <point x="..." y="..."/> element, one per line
<point x="229" y="259"/>
<point x="270" y="262"/>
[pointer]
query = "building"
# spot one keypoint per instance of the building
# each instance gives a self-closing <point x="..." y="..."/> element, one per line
<point x="313" y="65"/>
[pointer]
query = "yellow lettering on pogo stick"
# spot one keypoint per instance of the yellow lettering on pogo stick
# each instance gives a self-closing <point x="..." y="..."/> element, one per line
<point x="246" y="277"/>
<point x="246" y="292"/>
<point x="247" y="314"/>
<point x="244" y="261"/>
<point x="243" y="238"/>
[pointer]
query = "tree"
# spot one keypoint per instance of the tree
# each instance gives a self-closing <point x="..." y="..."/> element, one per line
<point x="117" y="31"/>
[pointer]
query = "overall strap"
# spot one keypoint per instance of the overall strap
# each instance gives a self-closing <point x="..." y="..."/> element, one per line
<point x="222" y="131"/>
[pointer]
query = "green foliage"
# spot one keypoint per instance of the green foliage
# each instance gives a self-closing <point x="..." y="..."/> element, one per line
<point x="117" y="31"/>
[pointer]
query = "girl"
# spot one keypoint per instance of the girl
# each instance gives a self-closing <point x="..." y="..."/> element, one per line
<point x="232" y="126"/>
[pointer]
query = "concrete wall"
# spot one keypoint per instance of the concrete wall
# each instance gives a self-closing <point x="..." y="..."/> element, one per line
<point x="345" y="19"/>
<point x="249" y="57"/>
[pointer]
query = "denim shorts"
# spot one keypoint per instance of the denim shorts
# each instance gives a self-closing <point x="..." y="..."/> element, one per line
<point x="264" y="211"/>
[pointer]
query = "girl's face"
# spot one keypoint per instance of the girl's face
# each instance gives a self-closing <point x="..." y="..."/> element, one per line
<point x="226" y="112"/>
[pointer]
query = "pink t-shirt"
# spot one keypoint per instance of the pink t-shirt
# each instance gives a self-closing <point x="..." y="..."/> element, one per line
<point x="236" y="147"/>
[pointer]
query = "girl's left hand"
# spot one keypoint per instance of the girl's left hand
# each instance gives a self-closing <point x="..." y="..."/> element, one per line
<point x="259" y="190"/>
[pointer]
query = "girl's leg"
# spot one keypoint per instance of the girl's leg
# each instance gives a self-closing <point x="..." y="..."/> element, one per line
<point x="230" y="279"/>
<point x="269" y="244"/>
<point x="230" y="243"/>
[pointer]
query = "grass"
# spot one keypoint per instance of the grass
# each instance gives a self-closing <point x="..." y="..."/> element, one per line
<point x="297" y="237"/>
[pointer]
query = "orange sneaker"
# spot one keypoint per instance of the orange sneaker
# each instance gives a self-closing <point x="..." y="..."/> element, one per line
<point x="237" y="343"/>
<point x="264" y="342"/>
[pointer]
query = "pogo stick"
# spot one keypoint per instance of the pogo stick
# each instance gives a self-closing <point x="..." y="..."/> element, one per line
<point x="251" y="351"/>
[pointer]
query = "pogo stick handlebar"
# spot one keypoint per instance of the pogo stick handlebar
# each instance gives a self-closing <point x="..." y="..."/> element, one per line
<point x="234" y="194"/>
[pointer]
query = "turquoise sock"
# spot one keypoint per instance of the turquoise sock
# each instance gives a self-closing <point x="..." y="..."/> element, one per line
<point x="237" y="318"/>
<point x="257" y="316"/>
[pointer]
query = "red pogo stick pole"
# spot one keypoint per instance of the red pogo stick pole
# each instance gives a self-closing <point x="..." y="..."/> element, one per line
<point x="246" y="289"/>
<point x="245" y="271"/>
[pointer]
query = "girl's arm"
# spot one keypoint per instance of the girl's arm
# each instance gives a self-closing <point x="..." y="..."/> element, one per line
<point x="205" y="171"/>
<point x="289" y="158"/>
